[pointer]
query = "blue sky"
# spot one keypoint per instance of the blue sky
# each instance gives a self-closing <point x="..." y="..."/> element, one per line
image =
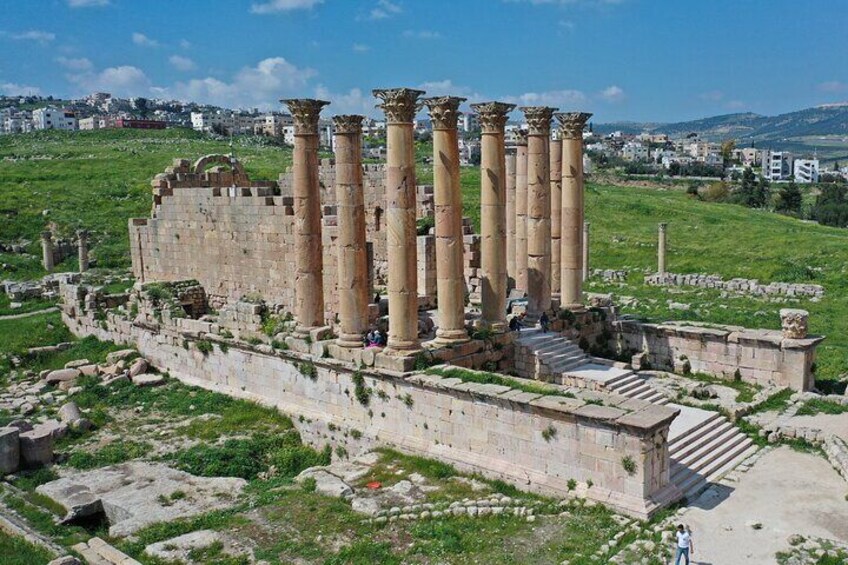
<point x="645" y="60"/>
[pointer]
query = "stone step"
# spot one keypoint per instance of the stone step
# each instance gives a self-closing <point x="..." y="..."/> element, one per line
<point x="705" y="435"/>
<point x="559" y="349"/>
<point x="694" y="483"/>
<point x="633" y="388"/>
<point x="570" y="366"/>
<point x="622" y="381"/>
<point x="567" y="359"/>
<point x="695" y="432"/>
<point x="708" y="454"/>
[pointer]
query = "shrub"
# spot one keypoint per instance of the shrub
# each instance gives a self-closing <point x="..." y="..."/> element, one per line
<point x="308" y="370"/>
<point x="204" y="346"/>
<point x="549" y="433"/>
<point x="360" y="391"/>
<point x="571" y="484"/>
<point x="629" y="465"/>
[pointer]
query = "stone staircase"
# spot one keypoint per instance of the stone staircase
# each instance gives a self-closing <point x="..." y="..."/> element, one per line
<point x="703" y="445"/>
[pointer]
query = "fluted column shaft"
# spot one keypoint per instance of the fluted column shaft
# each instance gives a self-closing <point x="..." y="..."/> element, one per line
<point x="82" y="250"/>
<point x="661" y="246"/>
<point x="493" y="117"/>
<point x="585" y="251"/>
<point x="510" y="219"/>
<point x="538" y="209"/>
<point x="400" y="106"/>
<point x="556" y="211"/>
<point x="47" y="251"/>
<point x="352" y="266"/>
<point x="571" y="237"/>
<point x="447" y="196"/>
<point x="309" y="262"/>
<point x="521" y="214"/>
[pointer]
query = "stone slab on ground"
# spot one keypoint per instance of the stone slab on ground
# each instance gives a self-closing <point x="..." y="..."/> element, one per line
<point x="600" y="374"/>
<point x="96" y="551"/>
<point x="786" y="491"/>
<point x="830" y="424"/>
<point x="131" y="494"/>
<point x="178" y="548"/>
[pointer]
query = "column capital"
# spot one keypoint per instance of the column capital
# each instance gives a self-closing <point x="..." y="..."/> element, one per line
<point x="521" y="138"/>
<point x="305" y="112"/>
<point x="493" y="115"/>
<point x="82" y="234"/>
<point x="348" y="123"/>
<point x="399" y="104"/>
<point x="538" y="119"/>
<point x="444" y="110"/>
<point x="46" y="235"/>
<point x="572" y="123"/>
<point x="662" y="226"/>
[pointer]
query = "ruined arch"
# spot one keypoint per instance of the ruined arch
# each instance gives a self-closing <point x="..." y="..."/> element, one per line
<point x="204" y="162"/>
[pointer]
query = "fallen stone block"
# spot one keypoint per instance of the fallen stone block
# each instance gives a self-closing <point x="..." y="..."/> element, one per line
<point x="66" y="560"/>
<point x="77" y="364"/>
<point x="113" y="379"/>
<point x="326" y="483"/>
<point x="70" y="412"/>
<point x="130" y="494"/>
<point x="56" y="428"/>
<point x="36" y="447"/>
<point x="60" y="375"/>
<point x="138" y="367"/>
<point x="148" y="379"/>
<point x="10" y="454"/>
<point x="121" y="355"/>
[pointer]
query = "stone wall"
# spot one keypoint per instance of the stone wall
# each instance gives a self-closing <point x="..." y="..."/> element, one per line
<point x="536" y="442"/>
<point x="751" y="287"/>
<point x="757" y="356"/>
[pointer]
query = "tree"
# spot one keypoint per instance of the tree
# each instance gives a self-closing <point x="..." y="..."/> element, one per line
<point x="762" y="193"/>
<point x="831" y="206"/>
<point x="727" y="148"/>
<point x="748" y="188"/>
<point x="789" y="199"/>
<point x="141" y="105"/>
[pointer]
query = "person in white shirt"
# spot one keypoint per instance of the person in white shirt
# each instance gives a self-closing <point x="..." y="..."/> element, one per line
<point x="684" y="544"/>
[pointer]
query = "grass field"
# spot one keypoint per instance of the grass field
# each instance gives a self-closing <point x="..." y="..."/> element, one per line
<point x="98" y="179"/>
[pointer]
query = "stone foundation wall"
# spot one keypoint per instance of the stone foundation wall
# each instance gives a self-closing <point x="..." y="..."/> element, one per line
<point x="758" y="356"/>
<point x="536" y="442"/>
<point x="740" y="286"/>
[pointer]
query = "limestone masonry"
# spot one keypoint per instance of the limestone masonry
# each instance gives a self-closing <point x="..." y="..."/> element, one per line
<point x="266" y="291"/>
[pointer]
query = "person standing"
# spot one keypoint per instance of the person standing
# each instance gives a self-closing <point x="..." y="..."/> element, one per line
<point x="544" y="321"/>
<point x="685" y="546"/>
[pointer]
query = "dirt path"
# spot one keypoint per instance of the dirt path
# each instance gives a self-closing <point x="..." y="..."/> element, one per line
<point x="29" y="314"/>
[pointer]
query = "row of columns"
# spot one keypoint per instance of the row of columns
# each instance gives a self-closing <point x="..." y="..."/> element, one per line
<point x="48" y="251"/>
<point x="532" y="204"/>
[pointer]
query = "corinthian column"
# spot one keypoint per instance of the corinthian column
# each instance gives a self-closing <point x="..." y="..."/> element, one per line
<point x="400" y="105"/>
<point x="350" y="202"/>
<point x="47" y="251"/>
<point x="556" y="210"/>
<point x="510" y="219"/>
<point x="309" y="278"/>
<point x="521" y="212"/>
<point x="493" y="117"/>
<point x="450" y="278"/>
<point x="82" y="250"/>
<point x="661" y="245"/>
<point x="571" y="279"/>
<point x="538" y="209"/>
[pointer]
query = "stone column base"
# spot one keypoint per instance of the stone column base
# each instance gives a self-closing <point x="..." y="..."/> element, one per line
<point x="449" y="337"/>
<point x="349" y="340"/>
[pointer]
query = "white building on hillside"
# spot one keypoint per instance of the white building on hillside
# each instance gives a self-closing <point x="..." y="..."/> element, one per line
<point x="53" y="118"/>
<point x="635" y="151"/>
<point x="806" y="170"/>
<point x="777" y="165"/>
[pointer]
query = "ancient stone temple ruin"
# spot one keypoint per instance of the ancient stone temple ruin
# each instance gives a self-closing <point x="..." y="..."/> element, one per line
<point x="266" y="290"/>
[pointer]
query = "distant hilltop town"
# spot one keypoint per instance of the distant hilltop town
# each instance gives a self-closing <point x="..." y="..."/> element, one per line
<point x="650" y="152"/>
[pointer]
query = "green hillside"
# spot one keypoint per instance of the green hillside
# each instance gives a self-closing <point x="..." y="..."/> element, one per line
<point x="97" y="180"/>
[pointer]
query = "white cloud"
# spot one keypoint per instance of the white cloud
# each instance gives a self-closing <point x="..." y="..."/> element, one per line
<point x="42" y="37"/>
<point x="567" y="25"/>
<point x="422" y="34"/>
<point x="384" y="9"/>
<point x="87" y="3"/>
<point x="564" y="100"/>
<point x="612" y="94"/>
<point x="125" y="80"/>
<point x="143" y="40"/>
<point x="260" y="86"/>
<point x="185" y="44"/>
<point x="734" y="105"/>
<point x="277" y="6"/>
<point x="354" y="101"/>
<point x="360" y="48"/>
<point x="13" y="89"/>
<point x="833" y="86"/>
<point x="181" y="63"/>
<point x="80" y="65"/>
